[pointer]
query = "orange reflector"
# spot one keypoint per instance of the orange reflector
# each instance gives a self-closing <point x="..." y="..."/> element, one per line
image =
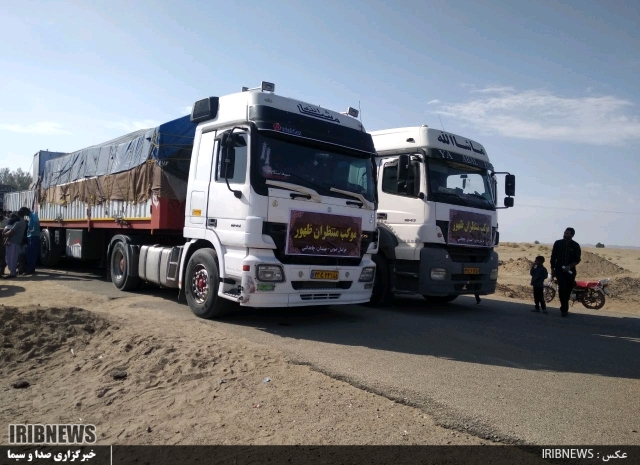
<point x="246" y="267"/>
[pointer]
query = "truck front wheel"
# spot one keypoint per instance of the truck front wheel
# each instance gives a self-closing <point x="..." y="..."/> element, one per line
<point x="49" y="253"/>
<point x="382" y="294"/>
<point x="202" y="281"/>
<point x="120" y="260"/>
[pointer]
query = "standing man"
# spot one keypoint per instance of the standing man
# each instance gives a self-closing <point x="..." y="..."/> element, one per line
<point x="33" y="239"/>
<point x="566" y="254"/>
<point x="3" y="223"/>
<point x="14" y="234"/>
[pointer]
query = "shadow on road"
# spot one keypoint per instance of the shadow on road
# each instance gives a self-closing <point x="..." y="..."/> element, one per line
<point x="7" y="290"/>
<point x="499" y="333"/>
<point x="494" y="333"/>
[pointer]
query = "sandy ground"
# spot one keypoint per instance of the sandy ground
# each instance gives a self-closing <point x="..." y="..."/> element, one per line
<point x="173" y="380"/>
<point x="621" y="266"/>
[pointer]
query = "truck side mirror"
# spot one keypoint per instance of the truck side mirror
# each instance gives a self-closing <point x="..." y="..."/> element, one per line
<point x="510" y="185"/>
<point x="508" y="202"/>
<point x="403" y="168"/>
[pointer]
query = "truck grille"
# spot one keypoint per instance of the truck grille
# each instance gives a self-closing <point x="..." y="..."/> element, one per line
<point x="278" y="232"/>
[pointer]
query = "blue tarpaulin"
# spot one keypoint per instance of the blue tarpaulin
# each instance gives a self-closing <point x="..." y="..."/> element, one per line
<point x="171" y="143"/>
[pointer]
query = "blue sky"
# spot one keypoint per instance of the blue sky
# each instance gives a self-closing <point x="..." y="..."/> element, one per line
<point x="550" y="90"/>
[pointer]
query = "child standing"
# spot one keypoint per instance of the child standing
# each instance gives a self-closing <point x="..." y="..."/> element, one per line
<point x="538" y="274"/>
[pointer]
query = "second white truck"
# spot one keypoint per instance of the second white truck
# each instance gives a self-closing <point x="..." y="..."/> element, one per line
<point x="437" y="215"/>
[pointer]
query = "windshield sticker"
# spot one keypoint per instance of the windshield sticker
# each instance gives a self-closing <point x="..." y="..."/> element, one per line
<point x="470" y="229"/>
<point x="293" y="132"/>
<point x="451" y="139"/>
<point x="315" y="233"/>
<point x="316" y="113"/>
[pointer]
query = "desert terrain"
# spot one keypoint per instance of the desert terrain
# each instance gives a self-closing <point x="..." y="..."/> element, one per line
<point x="146" y="376"/>
<point x="621" y="266"/>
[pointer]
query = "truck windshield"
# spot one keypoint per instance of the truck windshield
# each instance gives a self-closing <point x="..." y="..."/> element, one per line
<point x="461" y="184"/>
<point x="312" y="165"/>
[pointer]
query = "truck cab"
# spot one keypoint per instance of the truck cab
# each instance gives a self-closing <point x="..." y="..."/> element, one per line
<point x="280" y="206"/>
<point x="437" y="215"/>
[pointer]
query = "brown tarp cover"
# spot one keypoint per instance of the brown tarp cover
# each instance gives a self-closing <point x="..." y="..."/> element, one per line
<point x="136" y="185"/>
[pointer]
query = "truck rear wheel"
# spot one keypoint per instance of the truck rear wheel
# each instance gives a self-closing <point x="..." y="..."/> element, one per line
<point x="440" y="299"/>
<point x="49" y="253"/>
<point x="382" y="294"/>
<point x="120" y="261"/>
<point x="202" y="281"/>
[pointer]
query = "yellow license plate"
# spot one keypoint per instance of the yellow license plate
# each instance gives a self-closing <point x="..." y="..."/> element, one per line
<point x="321" y="274"/>
<point x="472" y="271"/>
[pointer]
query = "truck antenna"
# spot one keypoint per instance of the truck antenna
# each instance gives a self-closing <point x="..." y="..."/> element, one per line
<point x="441" y="121"/>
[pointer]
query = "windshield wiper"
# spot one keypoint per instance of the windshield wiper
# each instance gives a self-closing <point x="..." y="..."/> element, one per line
<point x="454" y="195"/>
<point x="310" y="193"/>
<point x="480" y="196"/>
<point x="360" y="197"/>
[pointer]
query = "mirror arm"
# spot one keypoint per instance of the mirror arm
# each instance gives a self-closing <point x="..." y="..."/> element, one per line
<point x="237" y="194"/>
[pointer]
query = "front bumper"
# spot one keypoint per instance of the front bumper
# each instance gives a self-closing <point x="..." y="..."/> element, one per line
<point x="299" y="290"/>
<point x="456" y="282"/>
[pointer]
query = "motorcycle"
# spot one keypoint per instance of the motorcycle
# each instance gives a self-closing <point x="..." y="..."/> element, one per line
<point x="591" y="294"/>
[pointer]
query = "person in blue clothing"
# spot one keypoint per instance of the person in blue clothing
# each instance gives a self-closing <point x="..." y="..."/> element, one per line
<point x="33" y="239"/>
<point x="538" y="274"/>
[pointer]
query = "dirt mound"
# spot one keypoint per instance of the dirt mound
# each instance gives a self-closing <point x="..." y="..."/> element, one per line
<point x="594" y="266"/>
<point x="514" y="291"/>
<point x="625" y="288"/>
<point x="37" y="333"/>
<point x="520" y="265"/>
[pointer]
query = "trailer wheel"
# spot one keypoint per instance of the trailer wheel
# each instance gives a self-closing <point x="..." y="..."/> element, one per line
<point x="382" y="294"/>
<point x="440" y="299"/>
<point x="120" y="259"/>
<point x="49" y="254"/>
<point x="202" y="280"/>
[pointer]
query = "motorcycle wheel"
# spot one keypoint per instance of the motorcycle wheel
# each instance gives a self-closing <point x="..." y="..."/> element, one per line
<point x="549" y="294"/>
<point x="594" y="300"/>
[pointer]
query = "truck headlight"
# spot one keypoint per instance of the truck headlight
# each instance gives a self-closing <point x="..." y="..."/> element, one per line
<point x="270" y="273"/>
<point x="438" y="274"/>
<point x="493" y="276"/>
<point x="367" y="274"/>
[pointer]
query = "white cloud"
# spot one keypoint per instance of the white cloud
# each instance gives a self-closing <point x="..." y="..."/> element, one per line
<point x="186" y="110"/>
<point x="132" y="126"/>
<point x="542" y="115"/>
<point x="431" y="102"/>
<point x="42" y="128"/>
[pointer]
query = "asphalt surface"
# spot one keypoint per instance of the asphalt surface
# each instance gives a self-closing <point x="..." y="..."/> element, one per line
<point x="495" y="370"/>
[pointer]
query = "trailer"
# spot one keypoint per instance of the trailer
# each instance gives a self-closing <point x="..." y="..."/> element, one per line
<point x="254" y="199"/>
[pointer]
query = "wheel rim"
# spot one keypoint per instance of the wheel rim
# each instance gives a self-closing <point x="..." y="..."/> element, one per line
<point x="200" y="284"/>
<point x="549" y="294"/>
<point x="594" y="300"/>
<point x="119" y="262"/>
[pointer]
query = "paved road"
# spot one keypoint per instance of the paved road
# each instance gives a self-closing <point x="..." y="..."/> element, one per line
<point x="495" y="370"/>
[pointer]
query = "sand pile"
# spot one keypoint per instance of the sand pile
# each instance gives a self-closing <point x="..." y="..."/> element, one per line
<point x="625" y="288"/>
<point x="514" y="291"/>
<point x="594" y="266"/>
<point x="36" y="334"/>
<point x="521" y="265"/>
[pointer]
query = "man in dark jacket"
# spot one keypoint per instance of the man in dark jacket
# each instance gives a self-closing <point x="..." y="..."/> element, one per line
<point x="566" y="254"/>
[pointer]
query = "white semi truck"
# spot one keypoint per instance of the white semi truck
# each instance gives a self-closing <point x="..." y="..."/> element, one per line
<point x="437" y="215"/>
<point x="255" y="198"/>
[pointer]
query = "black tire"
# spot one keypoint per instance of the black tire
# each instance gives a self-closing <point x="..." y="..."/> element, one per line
<point x="201" y="283"/>
<point x="382" y="294"/>
<point x="49" y="254"/>
<point x="440" y="299"/>
<point x="594" y="300"/>
<point x="549" y="294"/>
<point x="119" y="267"/>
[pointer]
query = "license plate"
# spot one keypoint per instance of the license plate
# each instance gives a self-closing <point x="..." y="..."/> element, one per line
<point x="322" y="274"/>
<point x="472" y="271"/>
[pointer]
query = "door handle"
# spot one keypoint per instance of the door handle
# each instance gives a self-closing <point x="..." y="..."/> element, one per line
<point x="212" y="222"/>
<point x="382" y="216"/>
